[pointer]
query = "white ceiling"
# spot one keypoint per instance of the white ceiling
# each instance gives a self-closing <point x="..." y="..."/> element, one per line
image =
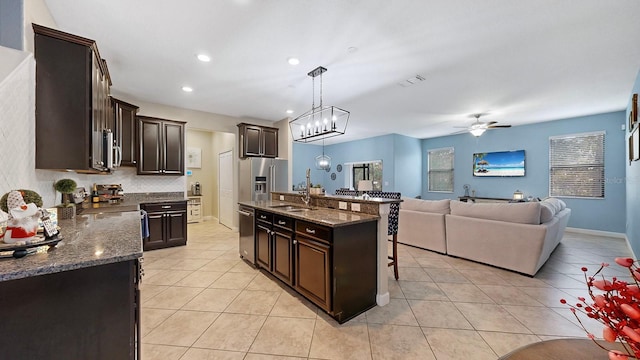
<point x="520" y="61"/>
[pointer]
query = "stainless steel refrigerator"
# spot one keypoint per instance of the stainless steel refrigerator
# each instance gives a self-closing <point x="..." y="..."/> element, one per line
<point x="260" y="176"/>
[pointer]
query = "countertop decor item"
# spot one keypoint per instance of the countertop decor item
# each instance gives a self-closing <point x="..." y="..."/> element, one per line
<point x="321" y="122"/>
<point x="29" y="196"/>
<point x="615" y="304"/>
<point x="67" y="208"/>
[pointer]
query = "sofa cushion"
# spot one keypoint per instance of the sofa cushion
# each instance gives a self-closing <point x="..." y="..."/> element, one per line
<point x="547" y="212"/>
<point x="523" y="213"/>
<point x="558" y="204"/>
<point x="431" y="206"/>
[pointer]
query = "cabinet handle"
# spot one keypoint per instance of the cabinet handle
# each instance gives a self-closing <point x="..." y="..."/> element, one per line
<point x="310" y="231"/>
<point x="280" y="222"/>
<point x="166" y="207"/>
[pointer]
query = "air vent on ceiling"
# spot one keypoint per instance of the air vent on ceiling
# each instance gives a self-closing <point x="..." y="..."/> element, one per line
<point x="412" y="81"/>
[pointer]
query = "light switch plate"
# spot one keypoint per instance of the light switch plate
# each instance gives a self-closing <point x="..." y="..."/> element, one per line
<point x="355" y="207"/>
<point x="342" y="205"/>
<point x="281" y="197"/>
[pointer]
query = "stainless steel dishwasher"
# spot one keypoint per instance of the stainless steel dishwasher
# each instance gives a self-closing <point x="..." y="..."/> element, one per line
<point x="247" y="226"/>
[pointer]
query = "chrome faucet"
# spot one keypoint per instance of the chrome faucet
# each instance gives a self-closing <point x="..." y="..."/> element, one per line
<point x="306" y="199"/>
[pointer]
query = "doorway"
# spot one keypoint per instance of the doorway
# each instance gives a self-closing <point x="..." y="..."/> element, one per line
<point x="225" y="188"/>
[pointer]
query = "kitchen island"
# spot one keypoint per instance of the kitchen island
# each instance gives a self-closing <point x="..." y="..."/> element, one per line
<point x="79" y="300"/>
<point x="332" y="257"/>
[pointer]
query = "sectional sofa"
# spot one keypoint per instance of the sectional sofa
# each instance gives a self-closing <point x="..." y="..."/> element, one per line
<point x="514" y="236"/>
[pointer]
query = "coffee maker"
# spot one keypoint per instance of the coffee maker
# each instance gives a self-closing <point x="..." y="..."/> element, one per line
<point x="196" y="190"/>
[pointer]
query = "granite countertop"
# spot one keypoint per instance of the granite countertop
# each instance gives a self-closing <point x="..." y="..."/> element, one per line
<point x="318" y="215"/>
<point x="358" y="199"/>
<point x="88" y="240"/>
<point x="131" y="202"/>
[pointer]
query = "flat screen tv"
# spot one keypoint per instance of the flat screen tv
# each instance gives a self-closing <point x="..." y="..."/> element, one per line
<point x="500" y="163"/>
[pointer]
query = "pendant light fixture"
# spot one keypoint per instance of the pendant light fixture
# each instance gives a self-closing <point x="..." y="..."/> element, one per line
<point x="321" y="122"/>
<point x="323" y="162"/>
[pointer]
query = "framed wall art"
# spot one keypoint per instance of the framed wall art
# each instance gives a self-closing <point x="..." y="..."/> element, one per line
<point x="633" y="114"/>
<point x="194" y="157"/>
<point x="634" y="144"/>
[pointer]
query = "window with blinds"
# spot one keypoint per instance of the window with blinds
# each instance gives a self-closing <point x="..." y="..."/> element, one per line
<point x="440" y="170"/>
<point x="576" y="165"/>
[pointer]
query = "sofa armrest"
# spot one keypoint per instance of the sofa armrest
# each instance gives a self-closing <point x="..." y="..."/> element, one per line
<point x="422" y="229"/>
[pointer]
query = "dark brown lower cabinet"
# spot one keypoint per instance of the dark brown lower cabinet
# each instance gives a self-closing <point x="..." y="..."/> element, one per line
<point x="313" y="271"/>
<point x="333" y="267"/>
<point x="274" y="245"/>
<point x="86" y="313"/>
<point x="263" y="245"/>
<point x="167" y="224"/>
<point x="283" y="254"/>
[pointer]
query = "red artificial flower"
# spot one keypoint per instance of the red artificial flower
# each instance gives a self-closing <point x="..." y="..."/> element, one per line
<point x="616" y="306"/>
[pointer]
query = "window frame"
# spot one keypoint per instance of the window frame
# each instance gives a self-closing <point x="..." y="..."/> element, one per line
<point x="429" y="170"/>
<point x="592" y="165"/>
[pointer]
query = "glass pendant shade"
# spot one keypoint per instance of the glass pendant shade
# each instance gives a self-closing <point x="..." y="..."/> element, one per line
<point x="477" y="131"/>
<point x="323" y="162"/>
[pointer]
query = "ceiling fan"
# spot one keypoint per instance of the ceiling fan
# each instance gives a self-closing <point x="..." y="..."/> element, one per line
<point x="478" y="128"/>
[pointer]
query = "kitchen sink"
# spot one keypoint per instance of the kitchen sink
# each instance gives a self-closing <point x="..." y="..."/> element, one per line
<point x="291" y="208"/>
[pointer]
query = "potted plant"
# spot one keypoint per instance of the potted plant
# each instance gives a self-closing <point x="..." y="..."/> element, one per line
<point x="67" y="209"/>
<point x="316" y="190"/>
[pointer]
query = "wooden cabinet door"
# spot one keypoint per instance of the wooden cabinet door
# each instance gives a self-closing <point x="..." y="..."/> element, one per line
<point x="150" y="146"/>
<point x="176" y="232"/>
<point x="269" y="142"/>
<point x="173" y="148"/>
<point x="263" y="247"/>
<point x="157" y="227"/>
<point x="124" y="132"/>
<point x="283" y="256"/>
<point x="313" y="271"/>
<point x="252" y="141"/>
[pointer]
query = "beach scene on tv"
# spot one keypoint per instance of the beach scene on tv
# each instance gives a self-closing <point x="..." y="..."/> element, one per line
<point x="503" y="163"/>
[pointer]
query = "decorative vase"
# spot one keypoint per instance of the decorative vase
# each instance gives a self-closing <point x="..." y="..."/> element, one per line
<point x="66" y="212"/>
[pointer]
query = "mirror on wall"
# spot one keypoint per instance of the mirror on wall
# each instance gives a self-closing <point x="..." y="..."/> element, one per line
<point x="363" y="170"/>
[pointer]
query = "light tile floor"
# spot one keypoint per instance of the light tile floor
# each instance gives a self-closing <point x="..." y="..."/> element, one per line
<point x="202" y="302"/>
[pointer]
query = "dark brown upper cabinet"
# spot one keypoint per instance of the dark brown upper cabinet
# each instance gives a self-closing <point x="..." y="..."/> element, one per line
<point x="160" y="146"/>
<point x="73" y="110"/>
<point x="257" y="141"/>
<point x="124" y="131"/>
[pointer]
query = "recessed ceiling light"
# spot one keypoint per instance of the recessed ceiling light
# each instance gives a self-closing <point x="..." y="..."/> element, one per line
<point x="289" y="111"/>
<point x="187" y="89"/>
<point x="204" y="58"/>
<point x="293" y="61"/>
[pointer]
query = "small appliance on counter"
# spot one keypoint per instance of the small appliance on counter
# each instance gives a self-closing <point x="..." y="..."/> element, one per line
<point x="196" y="190"/>
<point x="110" y="192"/>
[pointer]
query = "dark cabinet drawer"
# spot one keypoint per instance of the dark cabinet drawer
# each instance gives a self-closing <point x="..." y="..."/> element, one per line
<point x="314" y="231"/>
<point x="165" y="206"/>
<point x="283" y="222"/>
<point x="264" y="216"/>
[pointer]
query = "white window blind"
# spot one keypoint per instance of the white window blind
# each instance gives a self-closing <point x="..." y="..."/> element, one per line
<point x="440" y="169"/>
<point x="576" y="165"/>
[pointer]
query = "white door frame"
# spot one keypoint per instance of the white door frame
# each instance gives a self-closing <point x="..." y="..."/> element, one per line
<point x="229" y="176"/>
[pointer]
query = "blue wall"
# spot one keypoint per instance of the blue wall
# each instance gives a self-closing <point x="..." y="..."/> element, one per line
<point x="633" y="190"/>
<point x="11" y="23"/>
<point x="401" y="162"/>
<point x="404" y="164"/>
<point x="606" y="214"/>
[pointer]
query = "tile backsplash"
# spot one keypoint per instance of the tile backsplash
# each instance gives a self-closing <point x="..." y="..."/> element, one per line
<point x="17" y="146"/>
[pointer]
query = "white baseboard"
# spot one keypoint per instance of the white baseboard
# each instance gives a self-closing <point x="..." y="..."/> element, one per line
<point x="626" y="239"/>
<point x="382" y="299"/>
<point x="597" y="232"/>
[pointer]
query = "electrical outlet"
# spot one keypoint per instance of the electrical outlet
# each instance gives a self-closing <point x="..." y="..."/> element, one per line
<point x="281" y="197"/>
<point x="355" y="207"/>
<point x="342" y="205"/>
